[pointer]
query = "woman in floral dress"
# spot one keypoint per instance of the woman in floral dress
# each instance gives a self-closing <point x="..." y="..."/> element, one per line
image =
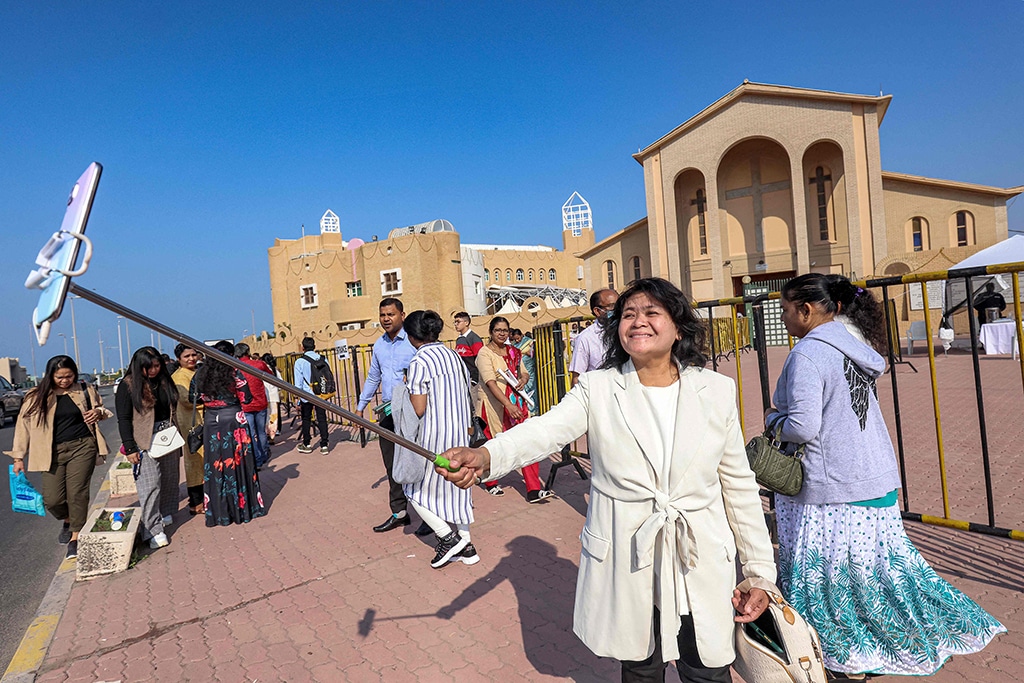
<point x="845" y="561"/>
<point x="231" y="485"/>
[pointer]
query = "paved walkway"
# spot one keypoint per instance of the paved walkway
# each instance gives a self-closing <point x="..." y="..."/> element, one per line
<point x="309" y="593"/>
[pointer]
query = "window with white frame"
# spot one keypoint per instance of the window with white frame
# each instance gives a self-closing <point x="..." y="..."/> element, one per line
<point x="520" y="275"/>
<point x="391" y="282"/>
<point x="307" y="296"/>
<point x="354" y="288"/>
<point x="551" y="275"/>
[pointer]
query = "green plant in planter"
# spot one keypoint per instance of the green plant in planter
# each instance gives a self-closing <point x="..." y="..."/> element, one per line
<point x="124" y="465"/>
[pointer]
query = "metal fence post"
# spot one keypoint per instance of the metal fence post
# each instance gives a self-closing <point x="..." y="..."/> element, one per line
<point x="980" y="398"/>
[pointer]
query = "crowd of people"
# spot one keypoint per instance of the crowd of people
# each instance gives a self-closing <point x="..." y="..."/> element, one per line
<point x="671" y="484"/>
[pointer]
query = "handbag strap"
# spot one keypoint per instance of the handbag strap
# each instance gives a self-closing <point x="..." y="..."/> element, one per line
<point x="773" y="433"/>
<point x="85" y="390"/>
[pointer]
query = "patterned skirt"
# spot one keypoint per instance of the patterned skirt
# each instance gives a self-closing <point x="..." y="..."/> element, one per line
<point x="231" y="486"/>
<point x="878" y="606"/>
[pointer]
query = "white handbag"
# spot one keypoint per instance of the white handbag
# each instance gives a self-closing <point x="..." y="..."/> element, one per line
<point x="166" y="441"/>
<point x="779" y="647"/>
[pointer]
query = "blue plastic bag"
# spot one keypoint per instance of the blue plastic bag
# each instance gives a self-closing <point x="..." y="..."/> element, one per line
<point x="24" y="498"/>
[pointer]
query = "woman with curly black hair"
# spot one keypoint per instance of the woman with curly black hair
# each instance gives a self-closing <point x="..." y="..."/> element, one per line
<point x="231" y="485"/>
<point x="845" y="561"/>
<point x="672" y="498"/>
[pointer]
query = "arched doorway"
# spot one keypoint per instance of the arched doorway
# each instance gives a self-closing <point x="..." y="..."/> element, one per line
<point x="692" y="224"/>
<point x="756" y="202"/>
<point x="755" y="198"/>
<point x="828" y="232"/>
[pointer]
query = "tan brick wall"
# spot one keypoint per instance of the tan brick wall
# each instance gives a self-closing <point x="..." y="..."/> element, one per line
<point x="938" y="205"/>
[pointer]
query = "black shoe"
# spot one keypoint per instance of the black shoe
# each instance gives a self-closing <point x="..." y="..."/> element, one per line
<point x="72" y="550"/>
<point x="392" y="522"/>
<point x="447" y="548"/>
<point x="468" y="555"/>
<point x="538" y="496"/>
<point x="424" y="530"/>
<point x="65" y="534"/>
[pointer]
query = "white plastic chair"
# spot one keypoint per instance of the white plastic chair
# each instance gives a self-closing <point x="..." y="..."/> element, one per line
<point x="918" y="332"/>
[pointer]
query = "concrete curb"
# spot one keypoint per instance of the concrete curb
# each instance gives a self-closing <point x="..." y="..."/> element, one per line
<point x="36" y="642"/>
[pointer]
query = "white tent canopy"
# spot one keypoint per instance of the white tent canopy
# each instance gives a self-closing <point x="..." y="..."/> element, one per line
<point x="1008" y="251"/>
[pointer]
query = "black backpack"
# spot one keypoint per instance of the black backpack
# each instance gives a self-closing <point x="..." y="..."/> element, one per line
<point x="321" y="379"/>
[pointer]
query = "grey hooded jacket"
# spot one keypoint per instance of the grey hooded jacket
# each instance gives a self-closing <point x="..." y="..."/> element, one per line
<point x="826" y="398"/>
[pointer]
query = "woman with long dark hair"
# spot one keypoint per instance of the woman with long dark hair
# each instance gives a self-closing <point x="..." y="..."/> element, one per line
<point x="145" y="403"/>
<point x="672" y="497"/>
<point x="844" y="558"/>
<point x="231" y="486"/>
<point x="500" y="406"/>
<point x="58" y="431"/>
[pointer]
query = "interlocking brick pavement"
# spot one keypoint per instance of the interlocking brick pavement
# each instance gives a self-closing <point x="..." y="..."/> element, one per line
<point x="309" y="593"/>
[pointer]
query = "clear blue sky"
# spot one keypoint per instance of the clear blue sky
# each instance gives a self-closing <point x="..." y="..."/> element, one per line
<point x="224" y="125"/>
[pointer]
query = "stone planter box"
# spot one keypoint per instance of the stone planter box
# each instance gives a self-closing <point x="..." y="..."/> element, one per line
<point x="122" y="483"/>
<point x="106" y="552"/>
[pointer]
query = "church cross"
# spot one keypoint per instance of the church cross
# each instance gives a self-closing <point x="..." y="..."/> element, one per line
<point x="819" y="181"/>
<point x="757" y="191"/>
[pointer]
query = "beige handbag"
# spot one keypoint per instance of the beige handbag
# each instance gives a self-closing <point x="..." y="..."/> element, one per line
<point x="779" y="647"/>
<point x="166" y="441"/>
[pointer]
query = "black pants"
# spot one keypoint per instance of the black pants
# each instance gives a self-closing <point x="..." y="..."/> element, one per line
<point x="387" y="451"/>
<point x="691" y="668"/>
<point x="321" y="422"/>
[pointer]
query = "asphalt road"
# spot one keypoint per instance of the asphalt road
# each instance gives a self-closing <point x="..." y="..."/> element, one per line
<point x="29" y="552"/>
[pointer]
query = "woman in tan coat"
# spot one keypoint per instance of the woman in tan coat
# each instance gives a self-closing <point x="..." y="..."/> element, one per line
<point x="189" y="416"/>
<point x="57" y="432"/>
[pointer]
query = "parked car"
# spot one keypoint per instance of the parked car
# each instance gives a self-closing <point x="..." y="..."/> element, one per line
<point x="11" y="399"/>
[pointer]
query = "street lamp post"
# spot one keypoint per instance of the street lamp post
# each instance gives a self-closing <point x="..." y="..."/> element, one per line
<point x="74" y="330"/>
<point x="61" y="334"/>
<point x="120" y="349"/>
<point x="103" y="364"/>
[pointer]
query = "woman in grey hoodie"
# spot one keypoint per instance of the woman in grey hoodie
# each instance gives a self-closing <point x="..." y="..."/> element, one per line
<point x="845" y="562"/>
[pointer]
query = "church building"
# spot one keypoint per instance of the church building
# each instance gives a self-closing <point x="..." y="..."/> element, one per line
<point x="773" y="181"/>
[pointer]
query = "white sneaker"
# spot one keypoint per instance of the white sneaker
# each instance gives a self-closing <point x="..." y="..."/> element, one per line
<point x="159" y="541"/>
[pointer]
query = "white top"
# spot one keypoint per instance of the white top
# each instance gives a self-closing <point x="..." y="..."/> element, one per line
<point x="663" y="402"/>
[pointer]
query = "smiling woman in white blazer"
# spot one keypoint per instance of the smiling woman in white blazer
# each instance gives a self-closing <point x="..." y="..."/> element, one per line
<point x="672" y="498"/>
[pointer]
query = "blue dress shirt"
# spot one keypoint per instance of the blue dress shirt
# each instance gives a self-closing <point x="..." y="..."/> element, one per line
<point x="387" y="367"/>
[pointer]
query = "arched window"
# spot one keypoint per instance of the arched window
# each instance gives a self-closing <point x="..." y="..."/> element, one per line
<point x="530" y="274"/>
<point x="508" y="275"/>
<point x="635" y="263"/>
<point x="918" y="238"/>
<point x="551" y="275"/>
<point x="497" y="276"/>
<point x="487" y="275"/>
<point x="609" y="269"/>
<point x="541" y="275"/>
<point x="520" y="275"/>
<point x="961" y="228"/>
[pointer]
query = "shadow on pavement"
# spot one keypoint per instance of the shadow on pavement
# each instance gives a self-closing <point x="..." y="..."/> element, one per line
<point x="273" y="478"/>
<point x="545" y="613"/>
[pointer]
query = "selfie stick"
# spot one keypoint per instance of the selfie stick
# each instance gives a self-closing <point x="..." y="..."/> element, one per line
<point x="103" y="302"/>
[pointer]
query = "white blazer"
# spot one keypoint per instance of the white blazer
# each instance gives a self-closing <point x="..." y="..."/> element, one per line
<point x="648" y="542"/>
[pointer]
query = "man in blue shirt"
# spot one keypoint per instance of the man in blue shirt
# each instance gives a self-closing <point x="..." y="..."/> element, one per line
<point x="303" y="374"/>
<point x="391" y="356"/>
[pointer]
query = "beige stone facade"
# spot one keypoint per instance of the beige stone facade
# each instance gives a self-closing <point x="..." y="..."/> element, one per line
<point x="772" y="181"/>
<point x="329" y="289"/>
<point x="11" y="370"/>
